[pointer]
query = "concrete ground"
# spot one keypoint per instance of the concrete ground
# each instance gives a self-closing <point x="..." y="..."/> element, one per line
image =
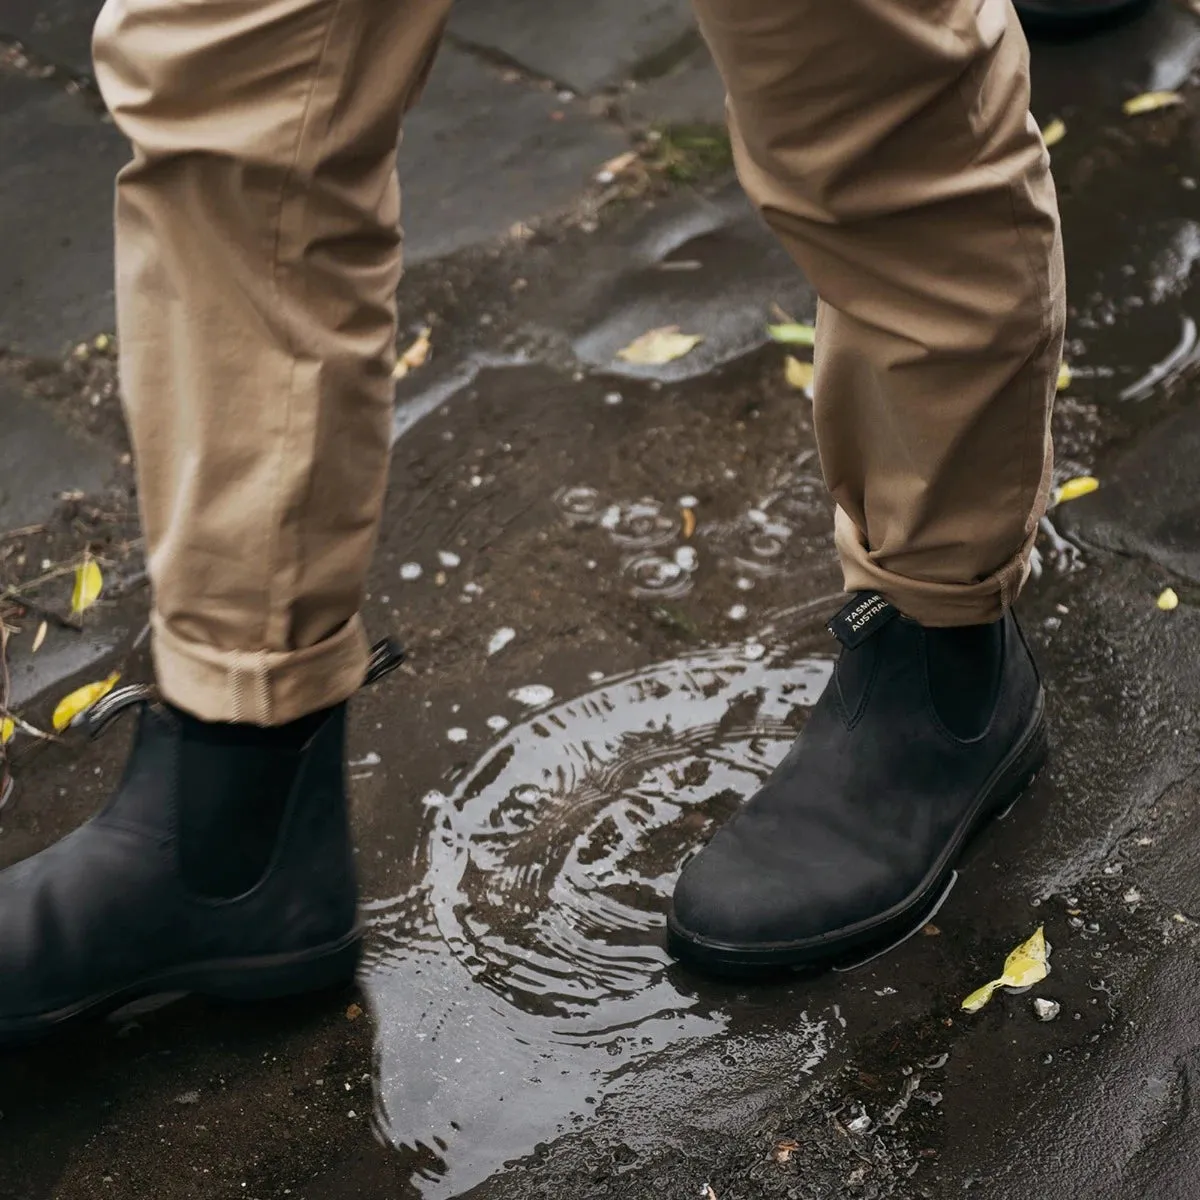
<point x="615" y="630"/>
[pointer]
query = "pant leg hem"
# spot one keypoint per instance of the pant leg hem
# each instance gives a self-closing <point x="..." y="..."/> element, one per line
<point x="259" y="687"/>
<point x="931" y="603"/>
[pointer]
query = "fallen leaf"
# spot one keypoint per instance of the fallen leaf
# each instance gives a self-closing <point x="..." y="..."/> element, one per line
<point x="102" y="342"/>
<point x="709" y="1194"/>
<point x="80" y="700"/>
<point x="784" y="1150"/>
<point x="1064" y="377"/>
<point x="353" y="1012"/>
<point x="798" y="374"/>
<point x="1072" y="489"/>
<point x="39" y="638"/>
<point x="1151" y="102"/>
<point x="88" y="585"/>
<point x="793" y="334"/>
<point x="931" y="931"/>
<point x="1168" y="599"/>
<point x="1054" y="133"/>
<point x="658" y="346"/>
<point x="1026" y="965"/>
<point x="415" y="356"/>
<point x="615" y="166"/>
<point x="7" y="728"/>
<point x="688" y="518"/>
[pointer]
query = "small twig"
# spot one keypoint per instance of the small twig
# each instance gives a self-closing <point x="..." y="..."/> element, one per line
<point x="14" y="591"/>
<point x="26" y="531"/>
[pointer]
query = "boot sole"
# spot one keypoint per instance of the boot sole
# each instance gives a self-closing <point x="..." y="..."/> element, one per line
<point x="854" y="945"/>
<point x="267" y="977"/>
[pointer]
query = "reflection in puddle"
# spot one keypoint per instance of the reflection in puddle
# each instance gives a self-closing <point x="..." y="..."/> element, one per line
<point x="517" y="985"/>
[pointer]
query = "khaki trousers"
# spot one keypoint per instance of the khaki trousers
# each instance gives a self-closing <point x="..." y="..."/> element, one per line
<point x="887" y="142"/>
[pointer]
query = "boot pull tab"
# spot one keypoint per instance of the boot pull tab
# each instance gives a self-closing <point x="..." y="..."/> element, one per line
<point x="386" y="656"/>
<point x="865" y="614"/>
<point x="106" y="710"/>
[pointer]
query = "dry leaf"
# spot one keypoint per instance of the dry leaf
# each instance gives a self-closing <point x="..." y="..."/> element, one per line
<point x="415" y="356"/>
<point x="1054" y="133"/>
<point x="659" y="346"/>
<point x="784" y="1150"/>
<point x="709" y="1194"/>
<point x="1168" y="600"/>
<point x="615" y="166"/>
<point x="39" y="638"/>
<point x="689" y="523"/>
<point x="80" y="700"/>
<point x="793" y="334"/>
<point x="798" y="374"/>
<point x="931" y="931"/>
<point x="1151" y="102"/>
<point x="7" y="728"/>
<point x="1064" y="378"/>
<point x="353" y="1012"/>
<point x="1028" y="964"/>
<point x="1081" y="485"/>
<point x="88" y="585"/>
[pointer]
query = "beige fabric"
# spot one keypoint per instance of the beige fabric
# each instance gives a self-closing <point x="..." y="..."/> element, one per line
<point x="891" y="148"/>
<point x="258" y="254"/>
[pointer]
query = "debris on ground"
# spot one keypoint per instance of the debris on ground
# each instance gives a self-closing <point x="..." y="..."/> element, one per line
<point x="1072" y="489"/>
<point x="1149" y="102"/>
<point x="1046" y="1010"/>
<point x="89" y="583"/>
<point x="1054" y="132"/>
<point x="1028" y="964"/>
<point x="793" y="334"/>
<point x="76" y="703"/>
<point x="658" y="346"/>
<point x="1168" y="599"/>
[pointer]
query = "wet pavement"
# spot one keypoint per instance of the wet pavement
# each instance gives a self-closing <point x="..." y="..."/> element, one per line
<point x="612" y="586"/>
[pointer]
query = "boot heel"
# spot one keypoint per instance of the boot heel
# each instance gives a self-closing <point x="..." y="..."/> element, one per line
<point x="1020" y="774"/>
<point x="282" y="975"/>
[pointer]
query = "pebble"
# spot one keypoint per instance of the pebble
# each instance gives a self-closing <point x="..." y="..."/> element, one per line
<point x="1046" y="1010"/>
<point x="410" y="571"/>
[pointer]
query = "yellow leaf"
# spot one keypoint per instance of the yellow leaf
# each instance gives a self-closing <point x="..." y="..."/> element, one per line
<point x="1054" y="133"/>
<point x="1028" y="964"/>
<point x="80" y="700"/>
<point x="415" y="356"/>
<point x="88" y="584"/>
<point x="1168" y="600"/>
<point x="798" y="374"/>
<point x="7" y="728"/>
<point x="659" y="346"/>
<point x="1064" y="378"/>
<point x="1151" y="102"/>
<point x="39" y="638"/>
<point x="793" y="334"/>
<point x="1081" y="485"/>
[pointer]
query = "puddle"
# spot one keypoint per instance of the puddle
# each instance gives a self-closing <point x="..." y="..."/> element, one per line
<point x="520" y="981"/>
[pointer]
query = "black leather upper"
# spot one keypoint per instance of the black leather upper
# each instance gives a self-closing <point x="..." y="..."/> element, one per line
<point x="108" y="905"/>
<point x="865" y="803"/>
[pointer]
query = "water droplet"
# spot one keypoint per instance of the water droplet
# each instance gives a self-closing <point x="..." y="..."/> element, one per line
<point x="500" y="639"/>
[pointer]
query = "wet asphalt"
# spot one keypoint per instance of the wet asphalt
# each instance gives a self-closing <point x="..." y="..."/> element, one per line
<point x="612" y="586"/>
